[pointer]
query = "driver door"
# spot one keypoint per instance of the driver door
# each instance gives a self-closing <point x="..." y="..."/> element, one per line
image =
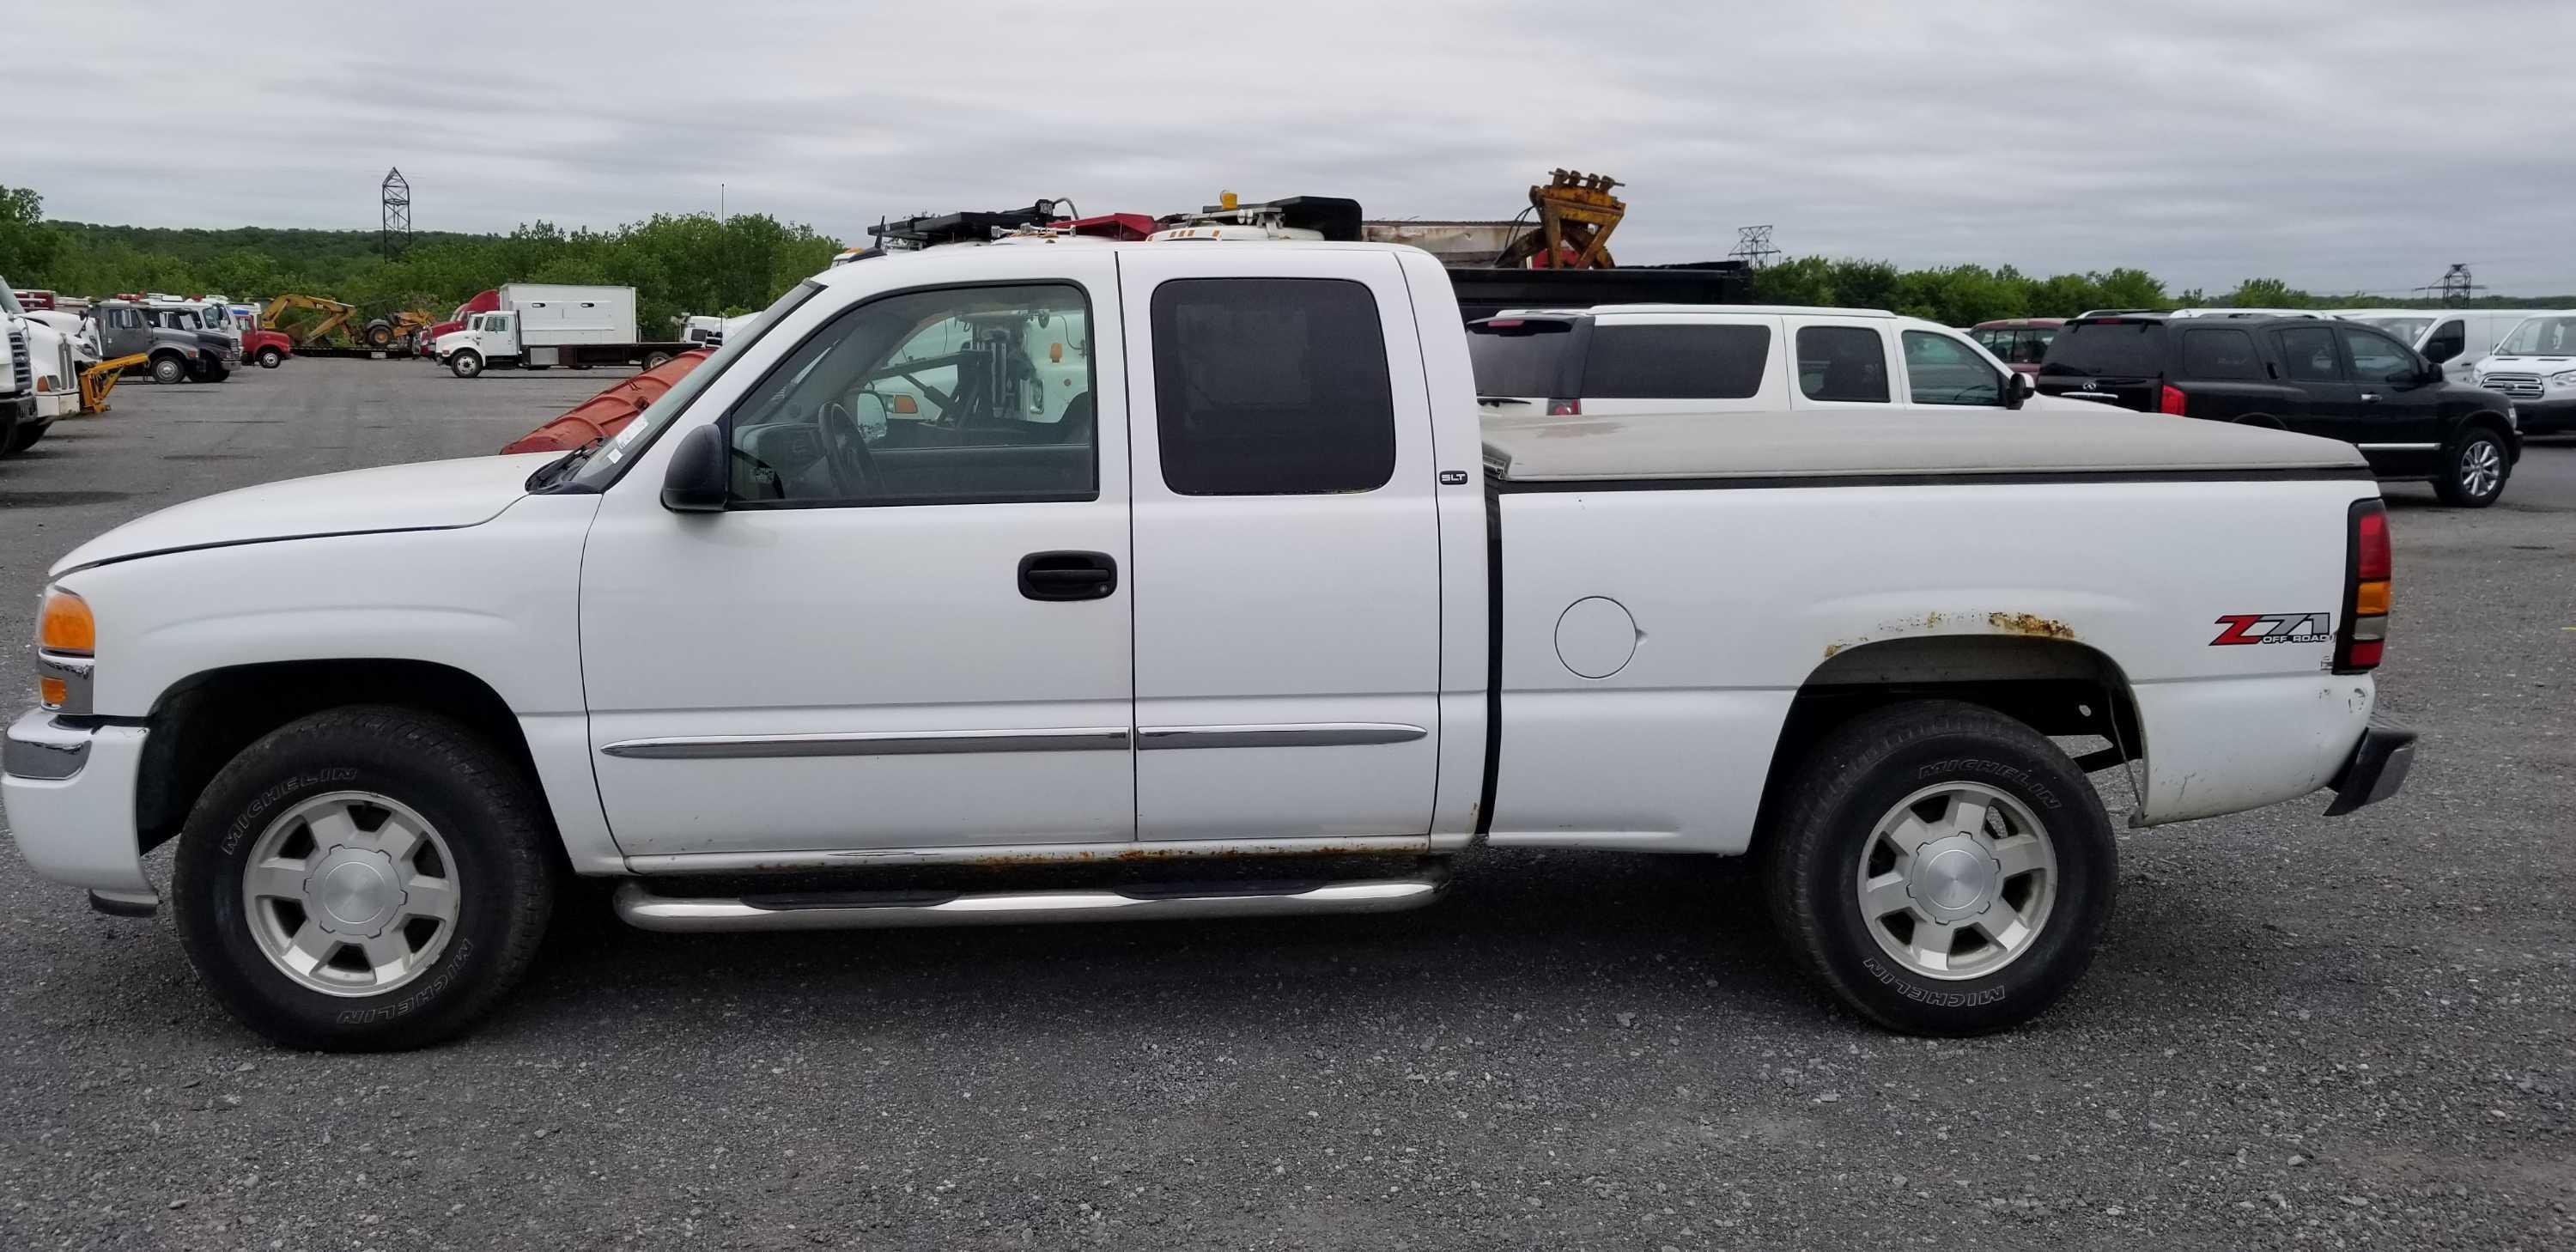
<point x="910" y="627"/>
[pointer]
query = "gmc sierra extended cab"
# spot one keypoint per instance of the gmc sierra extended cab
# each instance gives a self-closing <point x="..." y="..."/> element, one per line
<point x="1090" y="580"/>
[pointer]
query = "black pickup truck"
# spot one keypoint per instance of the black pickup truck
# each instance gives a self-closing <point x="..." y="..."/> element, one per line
<point x="2314" y="375"/>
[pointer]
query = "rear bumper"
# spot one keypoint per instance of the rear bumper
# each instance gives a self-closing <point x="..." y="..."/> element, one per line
<point x="68" y="785"/>
<point x="2377" y="769"/>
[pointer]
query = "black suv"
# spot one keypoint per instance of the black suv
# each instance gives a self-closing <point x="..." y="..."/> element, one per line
<point x="2317" y="376"/>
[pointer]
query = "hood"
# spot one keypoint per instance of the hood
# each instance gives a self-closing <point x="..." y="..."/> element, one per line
<point x="435" y="495"/>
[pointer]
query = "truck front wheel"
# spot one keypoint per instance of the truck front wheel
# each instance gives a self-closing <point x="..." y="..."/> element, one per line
<point x="366" y="878"/>
<point x="1942" y="868"/>
<point x="270" y="358"/>
<point x="169" y="369"/>
<point x="465" y="364"/>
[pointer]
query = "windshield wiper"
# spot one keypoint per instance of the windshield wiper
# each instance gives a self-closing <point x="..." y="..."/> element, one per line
<point x="561" y="468"/>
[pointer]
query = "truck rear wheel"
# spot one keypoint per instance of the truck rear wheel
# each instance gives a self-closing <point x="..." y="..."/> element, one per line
<point x="656" y="359"/>
<point x="366" y="878"/>
<point x="465" y="364"/>
<point x="1942" y="868"/>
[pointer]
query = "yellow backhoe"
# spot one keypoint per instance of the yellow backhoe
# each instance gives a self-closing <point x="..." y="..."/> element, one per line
<point x="321" y="326"/>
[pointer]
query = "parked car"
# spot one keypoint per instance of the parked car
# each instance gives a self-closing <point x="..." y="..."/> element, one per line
<point x="376" y="714"/>
<point x="2018" y="342"/>
<point x="219" y="346"/>
<point x="2459" y="340"/>
<point x="2329" y="377"/>
<point x="1614" y="359"/>
<point x="126" y="328"/>
<point x="2534" y="366"/>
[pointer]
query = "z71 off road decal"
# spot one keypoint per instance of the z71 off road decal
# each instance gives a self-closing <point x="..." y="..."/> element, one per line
<point x="2275" y="628"/>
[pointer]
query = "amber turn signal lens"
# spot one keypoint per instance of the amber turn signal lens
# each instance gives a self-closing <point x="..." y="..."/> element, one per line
<point x="2370" y="598"/>
<point x="52" y="693"/>
<point x="63" y="624"/>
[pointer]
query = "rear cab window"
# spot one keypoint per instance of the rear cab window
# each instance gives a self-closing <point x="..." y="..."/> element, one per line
<point x="1525" y="358"/>
<point x="2117" y="348"/>
<point x="1271" y="387"/>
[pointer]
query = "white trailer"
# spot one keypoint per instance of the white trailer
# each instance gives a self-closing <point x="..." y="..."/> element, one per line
<point x="541" y="325"/>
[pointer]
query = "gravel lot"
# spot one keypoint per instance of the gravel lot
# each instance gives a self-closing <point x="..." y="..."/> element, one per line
<point x="2357" y="1033"/>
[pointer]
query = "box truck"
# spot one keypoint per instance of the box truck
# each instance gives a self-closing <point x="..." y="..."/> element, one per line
<point x="540" y="325"/>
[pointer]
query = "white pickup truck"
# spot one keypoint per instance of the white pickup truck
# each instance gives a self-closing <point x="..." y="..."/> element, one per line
<point x="1109" y="580"/>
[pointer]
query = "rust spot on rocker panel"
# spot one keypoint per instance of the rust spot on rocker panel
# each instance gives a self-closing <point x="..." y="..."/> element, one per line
<point x="2030" y="624"/>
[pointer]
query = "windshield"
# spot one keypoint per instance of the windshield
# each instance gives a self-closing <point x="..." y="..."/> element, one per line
<point x="1524" y="358"/>
<point x="2541" y="336"/>
<point x="602" y="469"/>
<point x="2093" y="349"/>
<point x="2409" y="329"/>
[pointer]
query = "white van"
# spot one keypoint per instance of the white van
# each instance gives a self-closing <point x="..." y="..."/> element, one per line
<point x="2456" y="339"/>
<point x="2535" y="365"/>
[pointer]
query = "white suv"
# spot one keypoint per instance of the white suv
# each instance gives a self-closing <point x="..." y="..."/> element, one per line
<point x="2535" y="366"/>
<point x="1633" y="359"/>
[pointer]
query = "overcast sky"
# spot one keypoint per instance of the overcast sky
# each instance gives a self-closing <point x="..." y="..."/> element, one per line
<point x="2337" y="145"/>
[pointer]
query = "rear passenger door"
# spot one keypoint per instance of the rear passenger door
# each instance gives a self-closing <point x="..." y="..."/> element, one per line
<point x="1286" y="577"/>
<point x="2312" y="365"/>
<point x="1838" y="364"/>
<point x="1640" y="363"/>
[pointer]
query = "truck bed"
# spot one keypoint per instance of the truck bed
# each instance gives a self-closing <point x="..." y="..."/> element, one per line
<point x="1908" y="445"/>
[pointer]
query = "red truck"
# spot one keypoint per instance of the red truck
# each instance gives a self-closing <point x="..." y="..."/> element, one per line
<point x="487" y="300"/>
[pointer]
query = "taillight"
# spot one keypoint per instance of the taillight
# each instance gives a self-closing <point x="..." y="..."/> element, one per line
<point x="1565" y="408"/>
<point x="2368" y="570"/>
<point x="2170" y="400"/>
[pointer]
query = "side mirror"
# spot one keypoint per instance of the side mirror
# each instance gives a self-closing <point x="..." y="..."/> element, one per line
<point x="695" y="480"/>
<point x="2018" y="387"/>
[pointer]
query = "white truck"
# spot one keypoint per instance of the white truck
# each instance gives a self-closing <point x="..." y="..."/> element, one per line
<point x="39" y="373"/>
<point x="1237" y="609"/>
<point x="542" y="325"/>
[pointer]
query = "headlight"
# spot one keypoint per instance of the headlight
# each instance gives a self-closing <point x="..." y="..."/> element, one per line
<point x="66" y="637"/>
<point x="2563" y="378"/>
<point x="63" y="624"/>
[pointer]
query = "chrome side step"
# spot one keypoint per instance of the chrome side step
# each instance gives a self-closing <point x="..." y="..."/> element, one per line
<point x="886" y="910"/>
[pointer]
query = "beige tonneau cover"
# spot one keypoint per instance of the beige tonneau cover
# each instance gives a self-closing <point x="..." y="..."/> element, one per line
<point x="1826" y="443"/>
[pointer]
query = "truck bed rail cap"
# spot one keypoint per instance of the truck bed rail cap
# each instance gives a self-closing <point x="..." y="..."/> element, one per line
<point x="1830" y="443"/>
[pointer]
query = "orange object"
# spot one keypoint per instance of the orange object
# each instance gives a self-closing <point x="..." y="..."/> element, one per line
<point x="52" y="692"/>
<point x="64" y="625"/>
<point x="904" y="404"/>
<point x="608" y="412"/>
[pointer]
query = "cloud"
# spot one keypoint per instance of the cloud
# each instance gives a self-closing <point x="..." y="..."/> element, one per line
<point x="2334" y="145"/>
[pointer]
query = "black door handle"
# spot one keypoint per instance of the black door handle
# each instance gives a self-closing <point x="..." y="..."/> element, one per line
<point x="1068" y="575"/>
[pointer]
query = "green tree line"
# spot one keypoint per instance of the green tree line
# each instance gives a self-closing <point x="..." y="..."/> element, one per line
<point x="693" y="263"/>
<point x="1964" y="295"/>
<point x="677" y="263"/>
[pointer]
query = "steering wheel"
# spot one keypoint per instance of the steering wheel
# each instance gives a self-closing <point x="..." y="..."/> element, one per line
<point x="854" y="468"/>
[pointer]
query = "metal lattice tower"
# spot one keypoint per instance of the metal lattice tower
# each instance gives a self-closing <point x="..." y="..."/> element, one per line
<point x="395" y="236"/>
<point x="1753" y="246"/>
<point x="2455" y="287"/>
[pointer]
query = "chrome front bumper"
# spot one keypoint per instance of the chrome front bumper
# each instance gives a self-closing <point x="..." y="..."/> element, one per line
<point x="68" y="785"/>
